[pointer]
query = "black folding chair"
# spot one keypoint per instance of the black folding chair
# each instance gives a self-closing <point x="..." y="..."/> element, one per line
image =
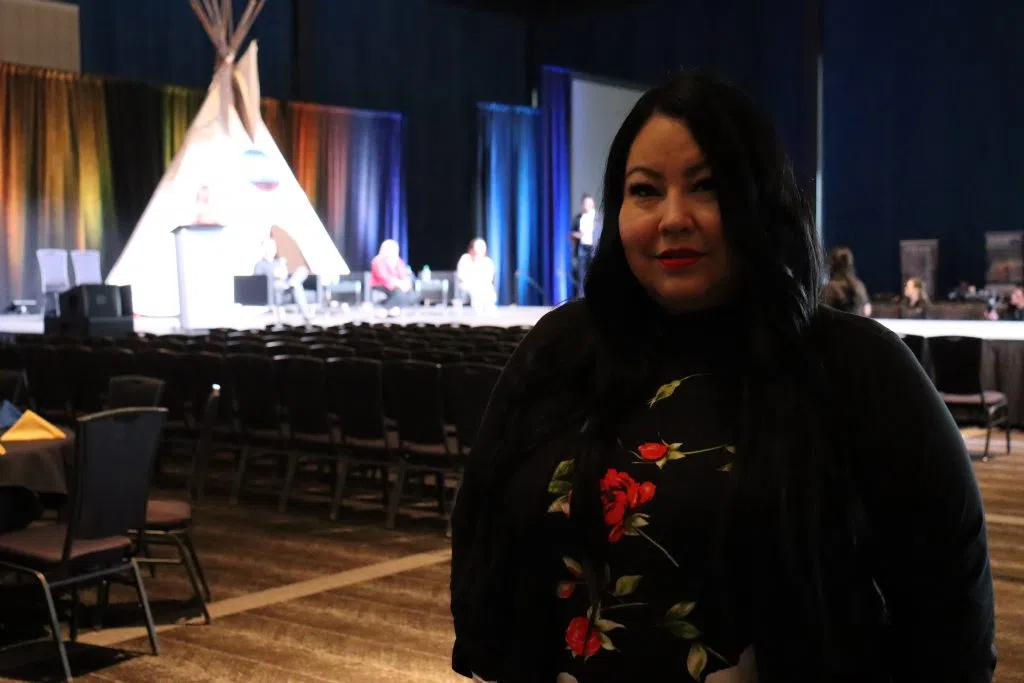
<point x="114" y="461"/>
<point x="134" y="391"/>
<point x="957" y="364"/>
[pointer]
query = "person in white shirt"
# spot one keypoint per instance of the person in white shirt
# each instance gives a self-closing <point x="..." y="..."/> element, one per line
<point x="475" y="272"/>
<point x="585" y="231"/>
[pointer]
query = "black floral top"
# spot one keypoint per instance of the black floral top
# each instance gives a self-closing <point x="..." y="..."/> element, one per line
<point x="663" y="491"/>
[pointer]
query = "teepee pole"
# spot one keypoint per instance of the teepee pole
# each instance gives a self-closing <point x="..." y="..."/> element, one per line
<point x="227" y="20"/>
<point x="252" y="10"/>
<point x="208" y="26"/>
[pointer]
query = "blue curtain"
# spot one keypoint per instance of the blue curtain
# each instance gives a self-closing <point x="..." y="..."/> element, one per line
<point x="375" y="210"/>
<point x="556" y="211"/>
<point x="507" y="199"/>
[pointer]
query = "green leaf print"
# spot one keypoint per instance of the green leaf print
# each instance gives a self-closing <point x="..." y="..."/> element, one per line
<point x="561" y="505"/>
<point x="559" y="488"/>
<point x="606" y="625"/>
<point x="666" y="390"/>
<point x="574" y="567"/>
<point x="684" y="630"/>
<point x="680" y="611"/>
<point x="697" y="661"/>
<point x="727" y="467"/>
<point x="626" y="585"/>
<point x="564" y="470"/>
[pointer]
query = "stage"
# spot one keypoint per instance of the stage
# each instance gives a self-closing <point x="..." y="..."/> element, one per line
<point x="247" y="318"/>
<point x="244" y="318"/>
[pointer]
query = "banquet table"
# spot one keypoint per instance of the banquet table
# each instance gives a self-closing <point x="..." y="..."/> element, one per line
<point x="38" y="464"/>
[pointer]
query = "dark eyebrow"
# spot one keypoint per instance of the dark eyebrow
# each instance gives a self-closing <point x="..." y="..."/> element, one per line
<point x="694" y="170"/>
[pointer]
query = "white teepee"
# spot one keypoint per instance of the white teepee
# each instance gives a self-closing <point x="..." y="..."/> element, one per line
<point x="230" y="172"/>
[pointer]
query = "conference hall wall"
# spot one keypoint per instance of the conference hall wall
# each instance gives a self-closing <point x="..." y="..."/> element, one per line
<point x="924" y="131"/>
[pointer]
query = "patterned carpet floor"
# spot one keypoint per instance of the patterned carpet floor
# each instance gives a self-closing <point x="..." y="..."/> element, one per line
<point x="388" y="628"/>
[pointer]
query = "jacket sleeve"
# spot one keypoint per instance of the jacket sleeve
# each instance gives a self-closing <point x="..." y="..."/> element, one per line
<point x="925" y="510"/>
<point x="476" y="650"/>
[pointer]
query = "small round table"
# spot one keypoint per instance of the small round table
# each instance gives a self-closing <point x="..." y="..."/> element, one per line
<point x="39" y="464"/>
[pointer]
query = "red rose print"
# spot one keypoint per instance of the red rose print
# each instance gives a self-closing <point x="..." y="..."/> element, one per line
<point x="651" y="452"/>
<point x="620" y="495"/>
<point x="566" y="589"/>
<point x="580" y="643"/>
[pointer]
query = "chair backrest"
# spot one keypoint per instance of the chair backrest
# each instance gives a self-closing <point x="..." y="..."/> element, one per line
<point x="286" y="348"/>
<point x="134" y="391"/>
<point x="916" y="344"/>
<point x="356" y="388"/>
<point x="53" y="270"/>
<point x="468" y="388"/>
<point x="957" y="364"/>
<point x="204" y="448"/>
<point x="416" y="391"/>
<point x="12" y="386"/>
<point x="114" y="458"/>
<point x="254" y="386"/>
<point x="86" y="264"/>
<point x="306" y="392"/>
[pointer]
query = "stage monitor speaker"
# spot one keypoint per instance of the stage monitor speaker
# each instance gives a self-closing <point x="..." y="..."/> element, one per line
<point x="91" y="301"/>
<point x="126" y="301"/>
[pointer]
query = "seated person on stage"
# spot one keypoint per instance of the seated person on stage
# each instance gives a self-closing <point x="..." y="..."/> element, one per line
<point x="277" y="268"/>
<point x="475" y="272"/>
<point x="390" y="275"/>
<point x="1013" y="310"/>
<point x="915" y="303"/>
<point x="845" y="291"/>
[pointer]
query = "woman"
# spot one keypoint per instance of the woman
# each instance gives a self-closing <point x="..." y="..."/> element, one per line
<point x="915" y="303"/>
<point x="697" y="473"/>
<point x="845" y="291"/>
<point x="390" y="276"/>
<point x="475" y="272"/>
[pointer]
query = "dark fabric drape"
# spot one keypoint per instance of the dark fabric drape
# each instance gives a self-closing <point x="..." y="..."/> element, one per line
<point x="135" y="115"/>
<point x="507" y="194"/>
<point x="55" y="183"/>
<point x="350" y="165"/>
<point x="556" y="205"/>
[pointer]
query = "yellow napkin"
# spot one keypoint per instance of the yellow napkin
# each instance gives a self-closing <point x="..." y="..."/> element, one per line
<point x="31" y="427"/>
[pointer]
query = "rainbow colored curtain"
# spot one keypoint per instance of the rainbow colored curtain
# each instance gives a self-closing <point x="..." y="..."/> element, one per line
<point x="81" y="156"/>
<point x="55" y="182"/>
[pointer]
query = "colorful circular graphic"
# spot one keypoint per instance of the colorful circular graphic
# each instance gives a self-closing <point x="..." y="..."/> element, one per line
<point x="259" y="172"/>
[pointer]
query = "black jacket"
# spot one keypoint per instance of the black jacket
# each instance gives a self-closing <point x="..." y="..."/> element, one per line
<point x="928" y="561"/>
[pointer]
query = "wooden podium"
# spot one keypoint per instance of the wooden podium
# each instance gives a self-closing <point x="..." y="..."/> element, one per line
<point x="204" y="281"/>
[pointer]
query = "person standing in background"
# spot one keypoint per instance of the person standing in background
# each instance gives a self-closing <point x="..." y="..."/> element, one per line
<point x="585" y="229"/>
<point x="845" y="291"/>
<point x="1014" y="309"/>
<point x="475" y="273"/>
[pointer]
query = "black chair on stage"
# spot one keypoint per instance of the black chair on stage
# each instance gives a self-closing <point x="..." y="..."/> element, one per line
<point x="134" y="391"/>
<point x="957" y="365"/>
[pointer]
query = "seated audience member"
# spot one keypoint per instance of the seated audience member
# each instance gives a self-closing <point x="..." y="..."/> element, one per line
<point x="1013" y="310"/>
<point x="389" y="274"/>
<point x="275" y="267"/>
<point x="845" y="291"/>
<point x="915" y="303"/>
<point x="475" y="272"/>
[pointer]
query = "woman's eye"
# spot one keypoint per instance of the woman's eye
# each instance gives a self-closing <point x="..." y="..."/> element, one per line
<point x="704" y="185"/>
<point x="643" y="190"/>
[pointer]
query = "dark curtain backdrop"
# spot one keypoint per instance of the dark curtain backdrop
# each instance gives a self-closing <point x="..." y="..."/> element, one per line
<point x="507" y="199"/>
<point x="55" y="179"/>
<point x="88" y="189"/>
<point x="556" y="205"/>
<point x="924" y="131"/>
<point x="350" y="164"/>
<point x="433" y="63"/>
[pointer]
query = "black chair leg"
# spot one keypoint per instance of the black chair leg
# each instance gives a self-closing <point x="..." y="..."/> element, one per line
<point x="189" y="562"/>
<point x="341" y="472"/>
<point x="988" y="437"/>
<point x="236" y="487"/>
<point x="1006" y="426"/>
<point x="73" y="617"/>
<point x="140" y="588"/>
<point x="289" y="479"/>
<point x="55" y="626"/>
<point x="207" y="595"/>
<point x="396" y="495"/>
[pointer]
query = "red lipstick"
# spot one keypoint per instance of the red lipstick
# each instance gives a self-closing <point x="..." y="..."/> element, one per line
<point x="678" y="259"/>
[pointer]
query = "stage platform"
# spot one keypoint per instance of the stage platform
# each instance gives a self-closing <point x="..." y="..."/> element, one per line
<point x="258" y="318"/>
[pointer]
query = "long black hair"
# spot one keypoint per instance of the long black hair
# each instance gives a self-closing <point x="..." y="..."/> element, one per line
<point x="789" y="519"/>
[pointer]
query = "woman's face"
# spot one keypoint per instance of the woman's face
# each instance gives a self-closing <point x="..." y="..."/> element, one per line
<point x="911" y="291"/>
<point x="669" y="222"/>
